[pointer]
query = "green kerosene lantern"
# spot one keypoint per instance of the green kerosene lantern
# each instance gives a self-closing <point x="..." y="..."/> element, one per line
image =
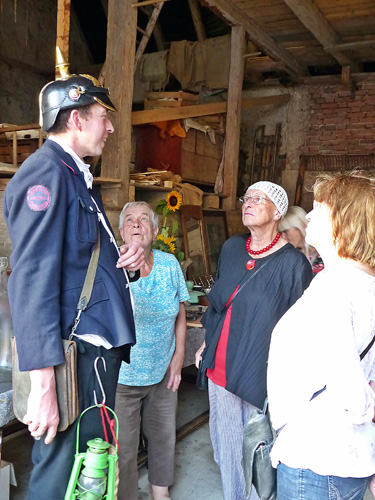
<point x="93" y="475"/>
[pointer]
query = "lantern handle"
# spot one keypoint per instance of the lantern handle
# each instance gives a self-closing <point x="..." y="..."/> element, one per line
<point x="79" y="422"/>
<point x="99" y="380"/>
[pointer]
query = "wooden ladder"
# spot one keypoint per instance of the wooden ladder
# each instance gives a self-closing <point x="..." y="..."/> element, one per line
<point x="158" y="4"/>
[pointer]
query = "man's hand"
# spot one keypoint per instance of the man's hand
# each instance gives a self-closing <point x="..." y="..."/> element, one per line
<point x="132" y="256"/>
<point x="42" y="411"/>
<point x="175" y="367"/>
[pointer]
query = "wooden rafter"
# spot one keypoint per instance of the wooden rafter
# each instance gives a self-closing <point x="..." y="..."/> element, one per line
<point x="360" y="44"/>
<point x="235" y="16"/>
<point x="313" y="19"/>
<point x="197" y="20"/>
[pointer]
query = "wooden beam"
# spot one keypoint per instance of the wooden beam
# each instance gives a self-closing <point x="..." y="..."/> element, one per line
<point x="336" y="79"/>
<point x="8" y="168"/>
<point x="313" y="19"/>
<point x="361" y="44"/>
<point x="122" y="19"/>
<point x="147" y="33"/>
<point x="214" y="108"/>
<point x="12" y="128"/>
<point x="235" y="16"/>
<point x="148" y="2"/>
<point x="196" y="15"/>
<point x="63" y="28"/>
<point x="233" y="122"/>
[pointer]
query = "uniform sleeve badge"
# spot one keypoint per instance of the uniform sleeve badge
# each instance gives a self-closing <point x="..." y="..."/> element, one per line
<point x="38" y="198"/>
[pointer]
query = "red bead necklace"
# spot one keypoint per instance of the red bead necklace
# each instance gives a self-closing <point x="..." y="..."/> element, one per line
<point x="250" y="264"/>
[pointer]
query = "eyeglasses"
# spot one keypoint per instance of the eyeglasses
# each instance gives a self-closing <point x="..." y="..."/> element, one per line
<point x="256" y="200"/>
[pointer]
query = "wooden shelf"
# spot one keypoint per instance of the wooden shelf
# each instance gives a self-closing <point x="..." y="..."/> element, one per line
<point x="106" y="180"/>
<point x="148" y="187"/>
<point x="7" y="168"/>
<point x="145" y="187"/>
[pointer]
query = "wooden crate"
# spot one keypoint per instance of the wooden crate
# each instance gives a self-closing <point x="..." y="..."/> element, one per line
<point x="157" y="100"/>
<point x="18" y="142"/>
<point x="24" y="149"/>
<point x="200" y="159"/>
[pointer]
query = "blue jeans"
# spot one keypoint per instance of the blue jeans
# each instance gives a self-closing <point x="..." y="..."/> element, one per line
<point x="303" y="484"/>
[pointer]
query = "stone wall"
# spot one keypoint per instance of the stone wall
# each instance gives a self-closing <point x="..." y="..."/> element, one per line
<point x="341" y="121"/>
<point x="27" y="56"/>
<point x="318" y="120"/>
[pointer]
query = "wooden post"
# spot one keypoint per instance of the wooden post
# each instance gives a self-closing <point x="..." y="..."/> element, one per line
<point x="122" y="19"/>
<point x="63" y="28"/>
<point x="300" y="180"/>
<point x="232" y="132"/>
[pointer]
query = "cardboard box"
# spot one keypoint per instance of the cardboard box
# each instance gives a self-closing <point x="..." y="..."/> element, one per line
<point x="7" y="478"/>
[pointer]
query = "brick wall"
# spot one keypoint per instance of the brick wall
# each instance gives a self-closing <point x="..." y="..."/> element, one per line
<point x="341" y="122"/>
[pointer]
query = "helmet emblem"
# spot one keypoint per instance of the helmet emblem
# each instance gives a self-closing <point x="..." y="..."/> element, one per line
<point x="74" y="94"/>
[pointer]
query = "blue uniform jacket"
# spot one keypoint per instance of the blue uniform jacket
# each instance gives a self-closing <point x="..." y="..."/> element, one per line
<point x="53" y="226"/>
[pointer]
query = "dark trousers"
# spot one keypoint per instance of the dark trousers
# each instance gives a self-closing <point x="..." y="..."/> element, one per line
<point x="53" y="463"/>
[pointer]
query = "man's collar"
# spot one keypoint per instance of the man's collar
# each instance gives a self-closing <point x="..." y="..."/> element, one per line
<point x="83" y="167"/>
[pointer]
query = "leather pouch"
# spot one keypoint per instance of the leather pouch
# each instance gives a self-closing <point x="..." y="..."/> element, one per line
<point x="202" y="379"/>
<point x="66" y="386"/>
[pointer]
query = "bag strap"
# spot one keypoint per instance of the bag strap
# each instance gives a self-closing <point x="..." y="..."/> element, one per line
<point x="249" y="279"/>
<point x="361" y="356"/>
<point x="363" y="353"/>
<point x="88" y="285"/>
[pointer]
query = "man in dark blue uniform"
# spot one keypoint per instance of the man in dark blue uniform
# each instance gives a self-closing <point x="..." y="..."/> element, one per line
<point x="54" y="218"/>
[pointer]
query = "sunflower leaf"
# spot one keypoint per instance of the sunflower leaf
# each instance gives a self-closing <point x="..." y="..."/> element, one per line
<point x="179" y="256"/>
<point x="174" y="227"/>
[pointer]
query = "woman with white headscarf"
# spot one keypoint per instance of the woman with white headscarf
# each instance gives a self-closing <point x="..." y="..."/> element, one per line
<point x="238" y="333"/>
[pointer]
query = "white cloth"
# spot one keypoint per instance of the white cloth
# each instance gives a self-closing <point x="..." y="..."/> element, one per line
<point x="315" y="344"/>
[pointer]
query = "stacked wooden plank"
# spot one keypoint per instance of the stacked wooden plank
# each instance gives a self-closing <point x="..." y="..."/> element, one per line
<point x="156" y="100"/>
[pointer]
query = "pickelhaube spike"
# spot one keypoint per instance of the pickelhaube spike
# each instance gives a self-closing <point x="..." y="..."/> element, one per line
<point x="61" y="65"/>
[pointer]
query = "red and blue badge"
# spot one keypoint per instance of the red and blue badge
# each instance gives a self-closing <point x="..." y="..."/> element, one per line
<point x="38" y="198"/>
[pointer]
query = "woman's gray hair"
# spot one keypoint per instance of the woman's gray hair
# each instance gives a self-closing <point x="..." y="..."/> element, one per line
<point x="153" y="216"/>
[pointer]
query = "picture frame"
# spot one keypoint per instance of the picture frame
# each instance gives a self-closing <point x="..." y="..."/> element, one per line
<point x="215" y="228"/>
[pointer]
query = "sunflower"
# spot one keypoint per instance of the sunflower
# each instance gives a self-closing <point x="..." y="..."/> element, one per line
<point x="174" y="200"/>
<point x="166" y="244"/>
